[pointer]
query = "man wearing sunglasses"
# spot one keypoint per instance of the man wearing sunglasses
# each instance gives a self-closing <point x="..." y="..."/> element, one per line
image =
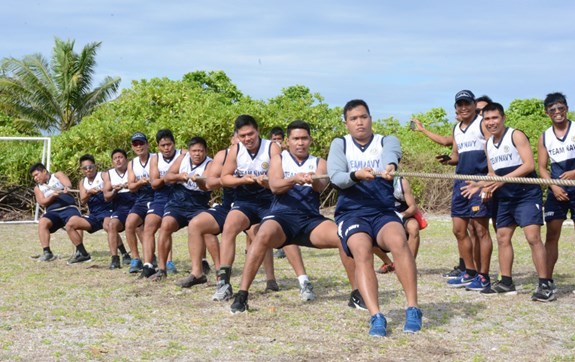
<point x="91" y="193"/>
<point x="557" y="148"/>
<point x="139" y="183"/>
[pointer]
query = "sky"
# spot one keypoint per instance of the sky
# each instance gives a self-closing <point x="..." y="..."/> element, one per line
<point x="401" y="57"/>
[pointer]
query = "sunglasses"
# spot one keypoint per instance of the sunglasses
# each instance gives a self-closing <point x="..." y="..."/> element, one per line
<point x="88" y="167"/>
<point x="138" y="143"/>
<point x="559" y="109"/>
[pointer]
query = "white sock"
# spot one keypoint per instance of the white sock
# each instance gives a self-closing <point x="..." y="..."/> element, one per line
<point x="302" y="279"/>
<point x="149" y="265"/>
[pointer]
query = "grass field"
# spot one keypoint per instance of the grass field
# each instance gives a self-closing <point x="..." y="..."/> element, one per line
<point x="52" y="311"/>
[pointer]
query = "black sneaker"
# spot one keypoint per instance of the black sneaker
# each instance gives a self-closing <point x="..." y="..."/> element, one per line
<point x="47" y="256"/>
<point x="498" y="288"/>
<point x="280" y="254"/>
<point x="206" y="267"/>
<point x="147" y="272"/>
<point x="543" y="293"/>
<point x="159" y="276"/>
<point x="115" y="264"/>
<point x="126" y="259"/>
<point x="79" y="258"/>
<point x="191" y="280"/>
<point x="356" y="300"/>
<point x="272" y="286"/>
<point x="240" y="304"/>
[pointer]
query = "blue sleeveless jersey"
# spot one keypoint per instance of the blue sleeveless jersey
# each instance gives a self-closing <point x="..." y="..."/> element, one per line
<point x="365" y="197"/>
<point x="561" y="152"/>
<point x="299" y="197"/>
<point x="504" y="159"/>
<point x="471" y="148"/>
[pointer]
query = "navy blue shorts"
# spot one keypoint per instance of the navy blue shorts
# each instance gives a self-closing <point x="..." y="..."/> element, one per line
<point x="557" y="210"/>
<point x="121" y="214"/>
<point x="522" y="212"/>
<point x="297" y="226"/>
<point x="468" y="208"/>
<point x="255" y="212"/>
<point x="140" y="209"/>
<point x="352" y="223"/>
<point x="219" y="213"/>
<point x="59" y="218"/>
<point x="97" y="220"/>
<point x="156" y="208"/>
<point x="182" y="216"/>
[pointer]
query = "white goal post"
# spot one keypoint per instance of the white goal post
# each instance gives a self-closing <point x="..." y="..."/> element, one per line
<point x="46" y="152"/>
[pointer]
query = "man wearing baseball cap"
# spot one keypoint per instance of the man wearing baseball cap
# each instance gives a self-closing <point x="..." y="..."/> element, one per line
<point x="468" y="155"/>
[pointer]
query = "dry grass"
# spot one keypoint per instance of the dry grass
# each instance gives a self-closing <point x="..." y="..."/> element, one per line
<point x="87" y="312"/>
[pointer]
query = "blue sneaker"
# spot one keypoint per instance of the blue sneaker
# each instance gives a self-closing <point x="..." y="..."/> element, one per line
<point x="479" y="283"/>
<point x="413" y="320"/>
<point x="377" y="325"/>
<point x="460" y="282"/>
<point x="171" y="268"/>
<point x="136" y="266"/>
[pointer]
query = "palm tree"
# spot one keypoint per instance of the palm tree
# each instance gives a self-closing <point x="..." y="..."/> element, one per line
<point x="53" y="96"/>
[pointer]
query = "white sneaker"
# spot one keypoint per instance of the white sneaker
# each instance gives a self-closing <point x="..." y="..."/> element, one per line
<point x="223" y="292"/>
<point x="306" y="292"/>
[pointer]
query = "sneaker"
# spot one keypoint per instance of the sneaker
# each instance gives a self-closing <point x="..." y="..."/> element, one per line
<point x="386" y="268"/>
<point x="479" y="283"/>
<point x="47" y="256"/>
<point x="115" y="264"/>
<point x="136" y="266"/>
<point x="463" y="281"/>
<point x="454" y="274"/>
<point x="159" y="276"/>
<point x="79" y="258"/>
<point x="147" y="272"/>
<point x="191" y="280"/>
<point x="206" y="267"/>
<point x="240" y="304"/>
<point x="500" y="288"/>
<point x="272" y="286"/>
<point x="306" y="292"/>
<point x="377" y="325"/>
<point x="356" y="300"/>
<point x="543" y="293"/>
<point x="413" y="320"/>
<point x="223" y="291"/>
<point x="553" y="287"/>
<point x="280" y="254"/>
<point x="126" y="259"/>
<point x="171" y="268"/>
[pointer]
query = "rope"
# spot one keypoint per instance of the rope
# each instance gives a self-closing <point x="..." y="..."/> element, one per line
<point x="451" y="176"/>
<point x="515" y="180"/>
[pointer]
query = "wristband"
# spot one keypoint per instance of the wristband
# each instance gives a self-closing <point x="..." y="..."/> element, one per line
<point x="353" y="177"/>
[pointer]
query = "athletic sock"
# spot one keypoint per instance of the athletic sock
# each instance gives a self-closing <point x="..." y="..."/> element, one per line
<point x="472" y="273"/>
<point x="122" y="249"/>
<point x="506" y="280"/>
<point x="302" y="279"/>
<point x="544" y="282"/>
<point x="149" y="265"/>
<point x="485" y="276"/>
<point x="47" y="250"/>
<point x="461" y="264"/>
<point x="80" y="248"/>
<point x="225" y="273"/>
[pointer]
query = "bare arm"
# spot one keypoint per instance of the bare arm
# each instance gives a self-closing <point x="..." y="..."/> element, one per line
<point x="173" y="175"/>
<point x="409" y="199"/>
<point x="229" y="168"/>
<point x="439" y="139"/>
<point x="155" y="180"/>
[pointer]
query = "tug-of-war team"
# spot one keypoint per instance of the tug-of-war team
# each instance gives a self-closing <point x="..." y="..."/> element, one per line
<point x="271" y="192"/>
